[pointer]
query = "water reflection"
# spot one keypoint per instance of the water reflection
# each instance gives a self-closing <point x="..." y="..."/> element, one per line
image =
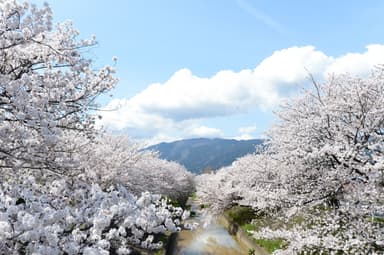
<point x="213" y="239"/>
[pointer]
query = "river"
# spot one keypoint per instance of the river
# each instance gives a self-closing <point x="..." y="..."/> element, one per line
<point x="212" y="239"/>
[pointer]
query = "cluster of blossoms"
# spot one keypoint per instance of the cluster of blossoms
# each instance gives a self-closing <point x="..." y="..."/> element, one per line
<point x="76" y="218"/>
<point x="323" y="164"/>
<point x="47" y="88"/>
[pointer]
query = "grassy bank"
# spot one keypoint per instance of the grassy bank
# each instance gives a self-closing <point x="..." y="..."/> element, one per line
<point x="249" y="220"/>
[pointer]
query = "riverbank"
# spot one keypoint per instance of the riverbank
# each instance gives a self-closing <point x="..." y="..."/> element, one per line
<point x="241" y="236"/>
<point x="221" y="236"/>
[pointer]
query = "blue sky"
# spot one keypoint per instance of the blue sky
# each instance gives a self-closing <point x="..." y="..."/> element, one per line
<point x="207" y="68"/>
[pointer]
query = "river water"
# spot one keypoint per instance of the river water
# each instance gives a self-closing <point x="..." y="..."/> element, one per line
<point x="211" y="239"/>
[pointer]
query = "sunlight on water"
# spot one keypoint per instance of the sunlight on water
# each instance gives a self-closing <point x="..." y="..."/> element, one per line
<point x="214" y="239"/>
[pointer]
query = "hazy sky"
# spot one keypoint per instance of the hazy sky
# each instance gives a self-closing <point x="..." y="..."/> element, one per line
<point x="218" y="68"/>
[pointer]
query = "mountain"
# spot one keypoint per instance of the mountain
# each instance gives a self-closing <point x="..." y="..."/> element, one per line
<point x="203" y="153"/>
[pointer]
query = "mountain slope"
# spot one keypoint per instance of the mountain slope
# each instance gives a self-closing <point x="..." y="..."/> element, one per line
<point x="201" y="153"/>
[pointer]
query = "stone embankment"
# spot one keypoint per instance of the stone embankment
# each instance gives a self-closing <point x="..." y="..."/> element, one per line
<point x="240" y="235"/>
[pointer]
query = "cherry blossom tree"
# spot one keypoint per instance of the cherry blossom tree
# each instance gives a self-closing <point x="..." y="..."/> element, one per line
<point x="338" y="132"/>
<point x="116" y="159"/>
<point x="60" y="191"/>
<point x="324" y="164"/>
<point x="252" y="180"/>
<point x="47" y="87"/>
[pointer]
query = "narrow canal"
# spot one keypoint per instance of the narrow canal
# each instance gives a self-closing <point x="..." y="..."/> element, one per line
<point x="212" y="239"/>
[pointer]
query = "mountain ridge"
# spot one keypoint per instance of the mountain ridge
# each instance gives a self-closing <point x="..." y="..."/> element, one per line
<point x="199" y="154"/>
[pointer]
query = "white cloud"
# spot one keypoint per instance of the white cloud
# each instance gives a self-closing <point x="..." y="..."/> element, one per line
<point x="246" y="133"/>
<point x="178" y="105"/>
<point x="358" y="63"/>
<point x="159" y="138"/>
<point x="130" y="115"/>
<point x="203" y="131"/>
<point x="247" y="130"/>
<point x="186" y="96"/>
<point x="243" y="137"/>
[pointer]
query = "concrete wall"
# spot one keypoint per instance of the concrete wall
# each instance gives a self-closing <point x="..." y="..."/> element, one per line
<point x="170" y="247"/>
<point x="241" y="236"/>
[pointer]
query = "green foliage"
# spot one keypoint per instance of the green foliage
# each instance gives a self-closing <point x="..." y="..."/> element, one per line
<point x="241" y="214"/>
<point x="172" y="202"/>
<point x="178" y="203"/>
<point x="379" y="220"/>
<point x="251" y="252"/>
<point x="271" y="245"/>
<point x="163" y="238"/>
<point x="175" y="203"/>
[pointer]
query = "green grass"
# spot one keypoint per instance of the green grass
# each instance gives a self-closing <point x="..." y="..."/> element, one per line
<point x="248" y="227"/>
<point x="249" y="220"/>
<point x="160" y="252"/>
<point x="271" y="245"/>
